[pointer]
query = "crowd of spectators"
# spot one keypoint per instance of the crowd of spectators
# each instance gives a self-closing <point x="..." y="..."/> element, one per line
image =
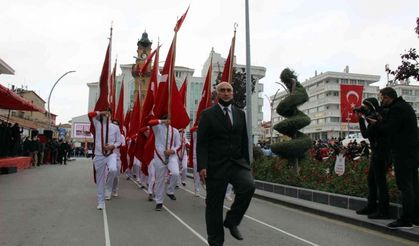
<point x="41" y="149"/>
<point x="324" y="149"/>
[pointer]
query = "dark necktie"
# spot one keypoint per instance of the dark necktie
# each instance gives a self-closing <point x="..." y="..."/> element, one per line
<point x="228" y="120"/>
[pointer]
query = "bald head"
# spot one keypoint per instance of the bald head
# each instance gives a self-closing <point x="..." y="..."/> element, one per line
<point x="224" y="92"/>
<point x="223" y="86"/>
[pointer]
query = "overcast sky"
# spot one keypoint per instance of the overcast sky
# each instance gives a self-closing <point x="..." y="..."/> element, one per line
<point x="43" y="39"/>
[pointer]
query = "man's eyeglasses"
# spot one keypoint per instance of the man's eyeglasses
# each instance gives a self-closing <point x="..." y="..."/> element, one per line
<point x="225" y="89"/>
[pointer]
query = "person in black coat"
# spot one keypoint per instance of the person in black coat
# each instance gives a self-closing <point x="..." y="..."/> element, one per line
<point x="223" y="157"/>
<point x="377" y="181"/>
<point x="400" y="125"/>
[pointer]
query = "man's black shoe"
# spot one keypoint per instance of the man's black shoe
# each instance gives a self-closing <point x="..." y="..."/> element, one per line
<point x="234" y="231"/>
<point x="366" y="210"/>
<point x="400" y="224"/>
<point x="150" y="197"/>
<point x="379" y="216"/>
<point x="159" y="207"/>
<point x="172" y="196"/>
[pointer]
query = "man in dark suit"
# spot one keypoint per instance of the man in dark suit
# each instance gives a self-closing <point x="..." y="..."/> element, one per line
<point x="400" y="125"/>
<point x="223" y="157"/>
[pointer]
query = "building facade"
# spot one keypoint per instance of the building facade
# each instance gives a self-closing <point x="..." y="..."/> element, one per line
<point x="323" y="106"/>
<point x="410" y="94"/>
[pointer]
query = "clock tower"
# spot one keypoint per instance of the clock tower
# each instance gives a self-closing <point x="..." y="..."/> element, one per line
<point x="143" y="50"/>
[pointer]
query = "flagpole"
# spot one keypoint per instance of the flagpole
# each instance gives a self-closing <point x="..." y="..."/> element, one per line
<point x="169" y="86"/>
<point x="248" y="85"/>
<point x="233" y="45"/>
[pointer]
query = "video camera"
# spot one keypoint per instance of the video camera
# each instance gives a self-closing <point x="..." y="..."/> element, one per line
<point x="366" y="112"/>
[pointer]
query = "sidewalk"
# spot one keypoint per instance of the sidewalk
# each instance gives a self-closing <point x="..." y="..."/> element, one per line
<point x="343" y="214"/>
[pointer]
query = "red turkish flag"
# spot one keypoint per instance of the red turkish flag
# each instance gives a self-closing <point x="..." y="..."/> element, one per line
<point x="183" y="90"/>
<point x="112" y="91"/>
<point x="178" y="116"/>
<point x="180" y="21"/>
<point x="143" y="151"/>
<point x="227" y="75"/>
<point x="134" y="124"/>
<point x="205" y="95"/>
<point x="119" y="114"/>
<point x="102" y="102"/>
<point x="350" y="97"/>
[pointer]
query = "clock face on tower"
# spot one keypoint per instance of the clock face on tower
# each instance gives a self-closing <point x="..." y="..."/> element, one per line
<point x="143" y="56"/>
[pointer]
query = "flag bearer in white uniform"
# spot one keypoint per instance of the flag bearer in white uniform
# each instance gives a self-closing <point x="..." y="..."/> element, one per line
<point x="165" y="159"/>
<point x="107" y="138"/>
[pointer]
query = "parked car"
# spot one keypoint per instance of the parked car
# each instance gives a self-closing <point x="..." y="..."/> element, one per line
<point x="354" y="137"/>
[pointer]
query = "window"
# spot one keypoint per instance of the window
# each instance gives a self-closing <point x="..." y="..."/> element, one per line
<point x="353" y="82"/>
<point x="344" y="81"/>
<point x="334" y="119"/>
<point x="407" y="92"/>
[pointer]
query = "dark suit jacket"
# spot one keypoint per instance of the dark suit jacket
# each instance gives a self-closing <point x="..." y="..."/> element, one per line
<point x="219" y="147"/>
<point x="400" y="125"/>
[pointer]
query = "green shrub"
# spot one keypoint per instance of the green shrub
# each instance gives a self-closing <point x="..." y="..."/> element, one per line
<point x="319" y="175"/>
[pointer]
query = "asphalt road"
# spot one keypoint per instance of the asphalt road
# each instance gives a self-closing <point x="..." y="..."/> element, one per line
<point x="56" y="205"/>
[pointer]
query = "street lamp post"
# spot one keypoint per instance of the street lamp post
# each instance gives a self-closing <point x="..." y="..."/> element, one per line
<point x="272" y="106"/>
<point x="49" y="98"/>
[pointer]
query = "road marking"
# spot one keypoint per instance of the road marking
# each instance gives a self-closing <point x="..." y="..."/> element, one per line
<point x="176" y="217"/>
<point x="265" y="224"/>
<point x="105" y="222"/>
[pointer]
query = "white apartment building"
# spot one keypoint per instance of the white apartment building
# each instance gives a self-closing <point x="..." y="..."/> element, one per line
<point x="323" y="106"/>
<point x="410" y="94"/>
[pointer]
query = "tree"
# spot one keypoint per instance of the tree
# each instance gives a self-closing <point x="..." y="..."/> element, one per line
<point x="410" y="63"/>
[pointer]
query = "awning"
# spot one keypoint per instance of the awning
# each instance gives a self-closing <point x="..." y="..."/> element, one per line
<point x="11" y="100"/>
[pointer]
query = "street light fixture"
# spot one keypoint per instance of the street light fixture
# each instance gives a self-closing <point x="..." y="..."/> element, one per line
<point x="49" y="98"/>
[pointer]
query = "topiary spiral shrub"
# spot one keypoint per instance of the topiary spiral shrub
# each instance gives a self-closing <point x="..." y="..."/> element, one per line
<point x="295" y="119"/>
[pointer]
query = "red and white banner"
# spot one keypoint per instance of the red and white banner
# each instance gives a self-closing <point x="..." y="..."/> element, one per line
<point x="350" y="98"/>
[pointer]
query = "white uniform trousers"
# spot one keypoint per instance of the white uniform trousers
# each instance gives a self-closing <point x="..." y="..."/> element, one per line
<point x="196" y="177"/>
<point x="161" y="173"/>
<point x="183" y="167"/>
<point x="103" y="183"/>
<point x="136" y="169"/>
<point x="115" y="185"/>
<point x="151" y="178"/>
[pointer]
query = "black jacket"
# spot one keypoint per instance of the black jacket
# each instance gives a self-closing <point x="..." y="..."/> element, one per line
<point x="400" y="124"/>
<point x="218" y="147"/>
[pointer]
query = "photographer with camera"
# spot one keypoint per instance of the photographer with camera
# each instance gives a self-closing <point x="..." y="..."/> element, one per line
<point x="377" y="182"/>
<point x="400" y="125"/>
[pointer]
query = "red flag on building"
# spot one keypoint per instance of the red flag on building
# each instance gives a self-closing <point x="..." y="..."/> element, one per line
<point x="350" y="97"/>
<point x="227" y="75"/>
<point x="183" y="91"/>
